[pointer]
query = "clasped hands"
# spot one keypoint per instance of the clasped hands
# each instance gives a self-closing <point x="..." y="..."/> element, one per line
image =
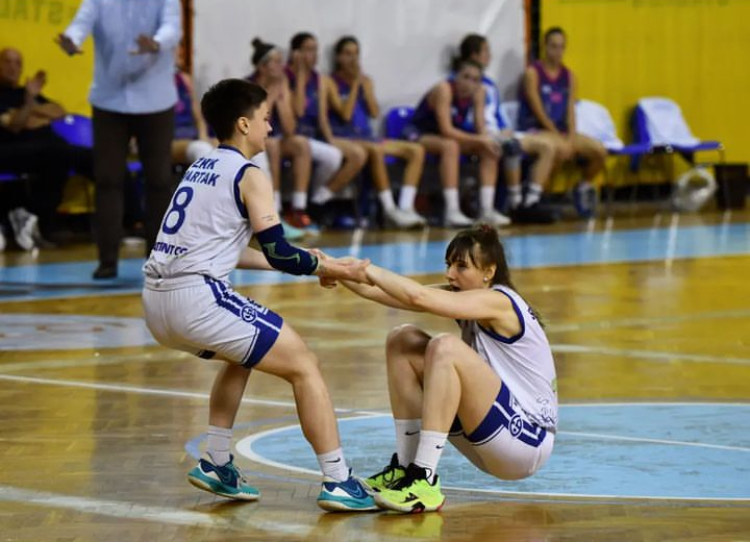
<point x="331" y="269"/>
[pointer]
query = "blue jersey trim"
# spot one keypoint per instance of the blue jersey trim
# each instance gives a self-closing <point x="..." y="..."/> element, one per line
<point x="501" y="338"/>
<point x="501" y="416"/>
<point x="231" y="148"/>
<point x="237" y="198"/>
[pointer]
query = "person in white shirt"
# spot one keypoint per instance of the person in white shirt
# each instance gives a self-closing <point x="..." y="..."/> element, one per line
<point x="133" y="95"/>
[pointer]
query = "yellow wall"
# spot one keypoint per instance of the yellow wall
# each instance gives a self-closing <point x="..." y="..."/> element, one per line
<point x="30" y="26"/>
<point x="693" y="51"/>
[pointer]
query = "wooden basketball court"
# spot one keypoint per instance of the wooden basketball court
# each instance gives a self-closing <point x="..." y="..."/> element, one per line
<point x="650" y="324"/>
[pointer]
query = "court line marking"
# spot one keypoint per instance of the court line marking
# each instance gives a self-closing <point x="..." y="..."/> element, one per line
<point x="155" y="514"/>
<point x="120" y="388"/>
<point x="119" y="509"/>
<point x="244" y="447"/>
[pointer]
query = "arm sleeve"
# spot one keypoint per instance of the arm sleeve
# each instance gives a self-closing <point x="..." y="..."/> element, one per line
<point x="83" y="23"/>
<point x="169" y="32"/>
<point x="283" y="256"/>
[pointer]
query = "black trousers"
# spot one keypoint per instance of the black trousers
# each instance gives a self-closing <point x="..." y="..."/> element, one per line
<point x="47" y="159"/>
<point x="112" y="132"/>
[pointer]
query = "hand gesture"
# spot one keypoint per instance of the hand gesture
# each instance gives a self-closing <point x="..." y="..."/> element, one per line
<point x="146" y="44"/>
<point x="67" y="45"/>
<point x="34" y="84"/>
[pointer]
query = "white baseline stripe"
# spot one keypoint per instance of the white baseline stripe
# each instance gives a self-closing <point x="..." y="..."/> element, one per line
<point x="119" y="388"/>
<point x="157" y="514"/>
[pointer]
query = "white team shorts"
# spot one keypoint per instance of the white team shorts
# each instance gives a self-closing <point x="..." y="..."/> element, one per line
<point x="505" y="444"/>
<point x="211" y="320"/>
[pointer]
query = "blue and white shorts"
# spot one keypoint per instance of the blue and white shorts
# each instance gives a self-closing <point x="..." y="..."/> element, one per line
<point x="211" y="320"/>
<point x="505" y="444"/>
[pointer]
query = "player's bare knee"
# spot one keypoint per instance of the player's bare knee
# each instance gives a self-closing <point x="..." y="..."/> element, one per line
<point x="401" y="338"/>
<point x="440" y="347"/>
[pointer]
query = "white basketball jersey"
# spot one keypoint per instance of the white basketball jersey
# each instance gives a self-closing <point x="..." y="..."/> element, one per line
<point x="523" y="362"/>
<point x="206" y="226"/>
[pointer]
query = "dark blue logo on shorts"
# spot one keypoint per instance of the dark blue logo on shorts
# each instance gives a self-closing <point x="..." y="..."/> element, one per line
<point x="515" y="426"/>
<point x="248" y="313"/>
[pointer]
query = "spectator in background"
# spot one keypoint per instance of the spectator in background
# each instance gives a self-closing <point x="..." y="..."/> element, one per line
<point x="283" y="142"/>
<point x="133" y="94"/>
<point x="351" y="97"/>
<point x="541" y="145"/>
<point x="449" y="120"/>
<point x="547" y="104"/>
<point x="311" y="110"/>
<point x="191" y="138"/>
<point x="29" y="146"/>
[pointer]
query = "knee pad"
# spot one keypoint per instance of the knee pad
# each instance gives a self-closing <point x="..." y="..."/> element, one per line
<point x="511" y="148"/>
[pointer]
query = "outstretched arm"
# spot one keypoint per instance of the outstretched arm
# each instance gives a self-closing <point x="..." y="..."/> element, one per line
<point x="477" y="304"/>
<point x="376" y="294"/>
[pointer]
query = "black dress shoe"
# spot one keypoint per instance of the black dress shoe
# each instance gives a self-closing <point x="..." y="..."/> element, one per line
<point x="105" y="272"/>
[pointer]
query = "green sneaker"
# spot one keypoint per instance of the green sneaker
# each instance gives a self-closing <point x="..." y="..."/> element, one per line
<point x="292" y="233"/>
<point x="413" y="493"/>
<point x="387" y="477"/>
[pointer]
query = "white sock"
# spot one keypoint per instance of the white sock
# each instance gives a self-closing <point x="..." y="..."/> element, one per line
<point x="407" y="196"/>
<point x="431" y="445"/>
<point x="514" y="196"/>
<point x="299" y="200"/>
<point x="277" y="200"/>
<point x="533" y="194"/>
<point x="487" y="198"/>
<point x="407" y="439"/>
<point x="386" y="199"/>
<point x="322" y="195"/>
<point x="451" y="200"/>
<point x="333" y="465"/>
<point x="219" y="444"/>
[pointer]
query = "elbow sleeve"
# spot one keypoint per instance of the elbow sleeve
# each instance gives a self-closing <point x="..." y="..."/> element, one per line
<point x="283" y="256"/>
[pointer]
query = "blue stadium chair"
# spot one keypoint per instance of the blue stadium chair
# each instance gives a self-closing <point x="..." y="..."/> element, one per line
<point x="396" y="121"/>
<point x="75" y="129"/>
<point x="659" y="122"/>
<point x="595" y="121"/>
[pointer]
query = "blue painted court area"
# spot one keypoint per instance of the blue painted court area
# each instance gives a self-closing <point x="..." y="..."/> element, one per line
<point x="660" y="451"/>
<point x="30" y="282"/>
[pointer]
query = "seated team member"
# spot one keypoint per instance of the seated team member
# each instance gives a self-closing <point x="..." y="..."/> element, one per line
<point x="189" y="304"/>
<point x="490" y="391"/>
<point x="352" y="102"/>
<point x="541" y="145"/>
<point x="449" y="120"/>
<point x="547" y="104"/>
<point x="283" y="142"/>
<point x="28" y="145"/>
<point x="311" y="110"/>
<point x="191" y="139"/>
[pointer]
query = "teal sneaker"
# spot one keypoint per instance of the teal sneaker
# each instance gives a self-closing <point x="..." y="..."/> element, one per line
<point x="226" y="480"/>
<point x="347" y="496"/>
<point x="386" y="478"/>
